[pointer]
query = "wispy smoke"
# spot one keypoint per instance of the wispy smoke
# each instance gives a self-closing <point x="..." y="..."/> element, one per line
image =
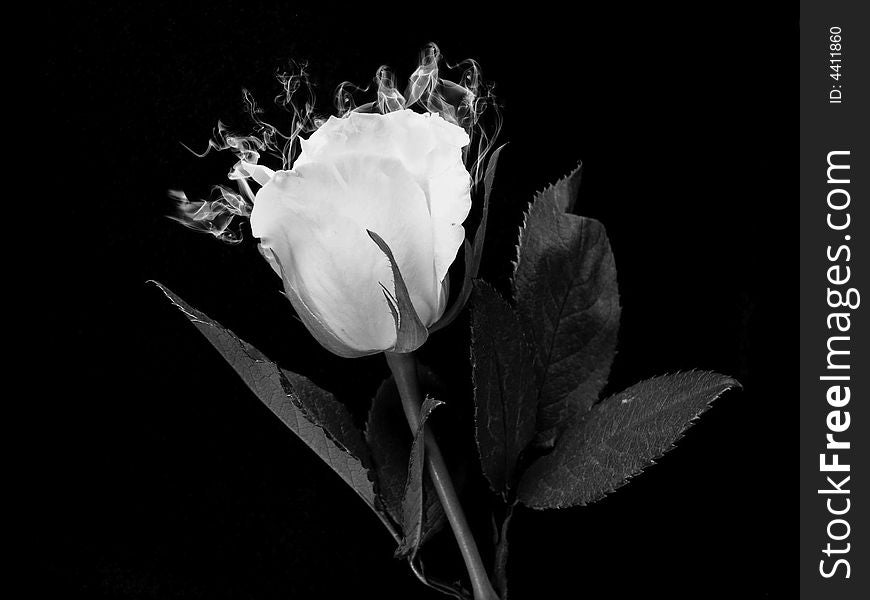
<point x="464" y="103"/>
<point x="467" y="102"/>
<point x="214" y="216"/>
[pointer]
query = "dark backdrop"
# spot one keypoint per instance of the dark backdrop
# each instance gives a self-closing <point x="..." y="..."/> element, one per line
<point x="168" y="479"/>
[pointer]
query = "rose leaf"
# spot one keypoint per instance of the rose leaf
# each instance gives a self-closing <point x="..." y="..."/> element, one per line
<point x="390" y="439"/>
<point x="618" y="438"/>
<point x="567" y="298"/>
<point x="505" y="391"/>
<point x="413" y="496"/>
<point x="313" y="414"/>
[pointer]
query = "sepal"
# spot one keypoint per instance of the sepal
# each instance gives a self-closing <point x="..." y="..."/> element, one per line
<point x="410" y="331"/>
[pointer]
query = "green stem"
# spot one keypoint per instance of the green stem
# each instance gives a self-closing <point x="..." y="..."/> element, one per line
<point x="404" y="368"/>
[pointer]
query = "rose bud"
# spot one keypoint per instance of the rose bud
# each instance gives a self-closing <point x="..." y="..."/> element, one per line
<point x="397" y="175"/>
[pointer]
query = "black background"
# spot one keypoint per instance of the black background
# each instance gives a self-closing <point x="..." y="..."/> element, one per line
<point x="168" y="479"/>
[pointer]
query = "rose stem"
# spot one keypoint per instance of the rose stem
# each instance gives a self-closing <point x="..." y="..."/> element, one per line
<point x="404" y="368"/>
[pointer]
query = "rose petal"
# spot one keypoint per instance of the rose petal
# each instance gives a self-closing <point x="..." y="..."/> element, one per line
<point x="430" y="149"/>
<point x="449" y="196"/>
<point x="315" y="219"/>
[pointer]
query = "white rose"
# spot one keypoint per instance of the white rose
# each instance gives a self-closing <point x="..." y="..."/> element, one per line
<point x="399" y="175"/>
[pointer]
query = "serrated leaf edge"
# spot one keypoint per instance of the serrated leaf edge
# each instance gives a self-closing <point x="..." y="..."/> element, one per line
<point x="410" y="542"/>
<point x="730" y="384"/>
<point x="294" y="398"/>
<point x="515" y="262"/>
